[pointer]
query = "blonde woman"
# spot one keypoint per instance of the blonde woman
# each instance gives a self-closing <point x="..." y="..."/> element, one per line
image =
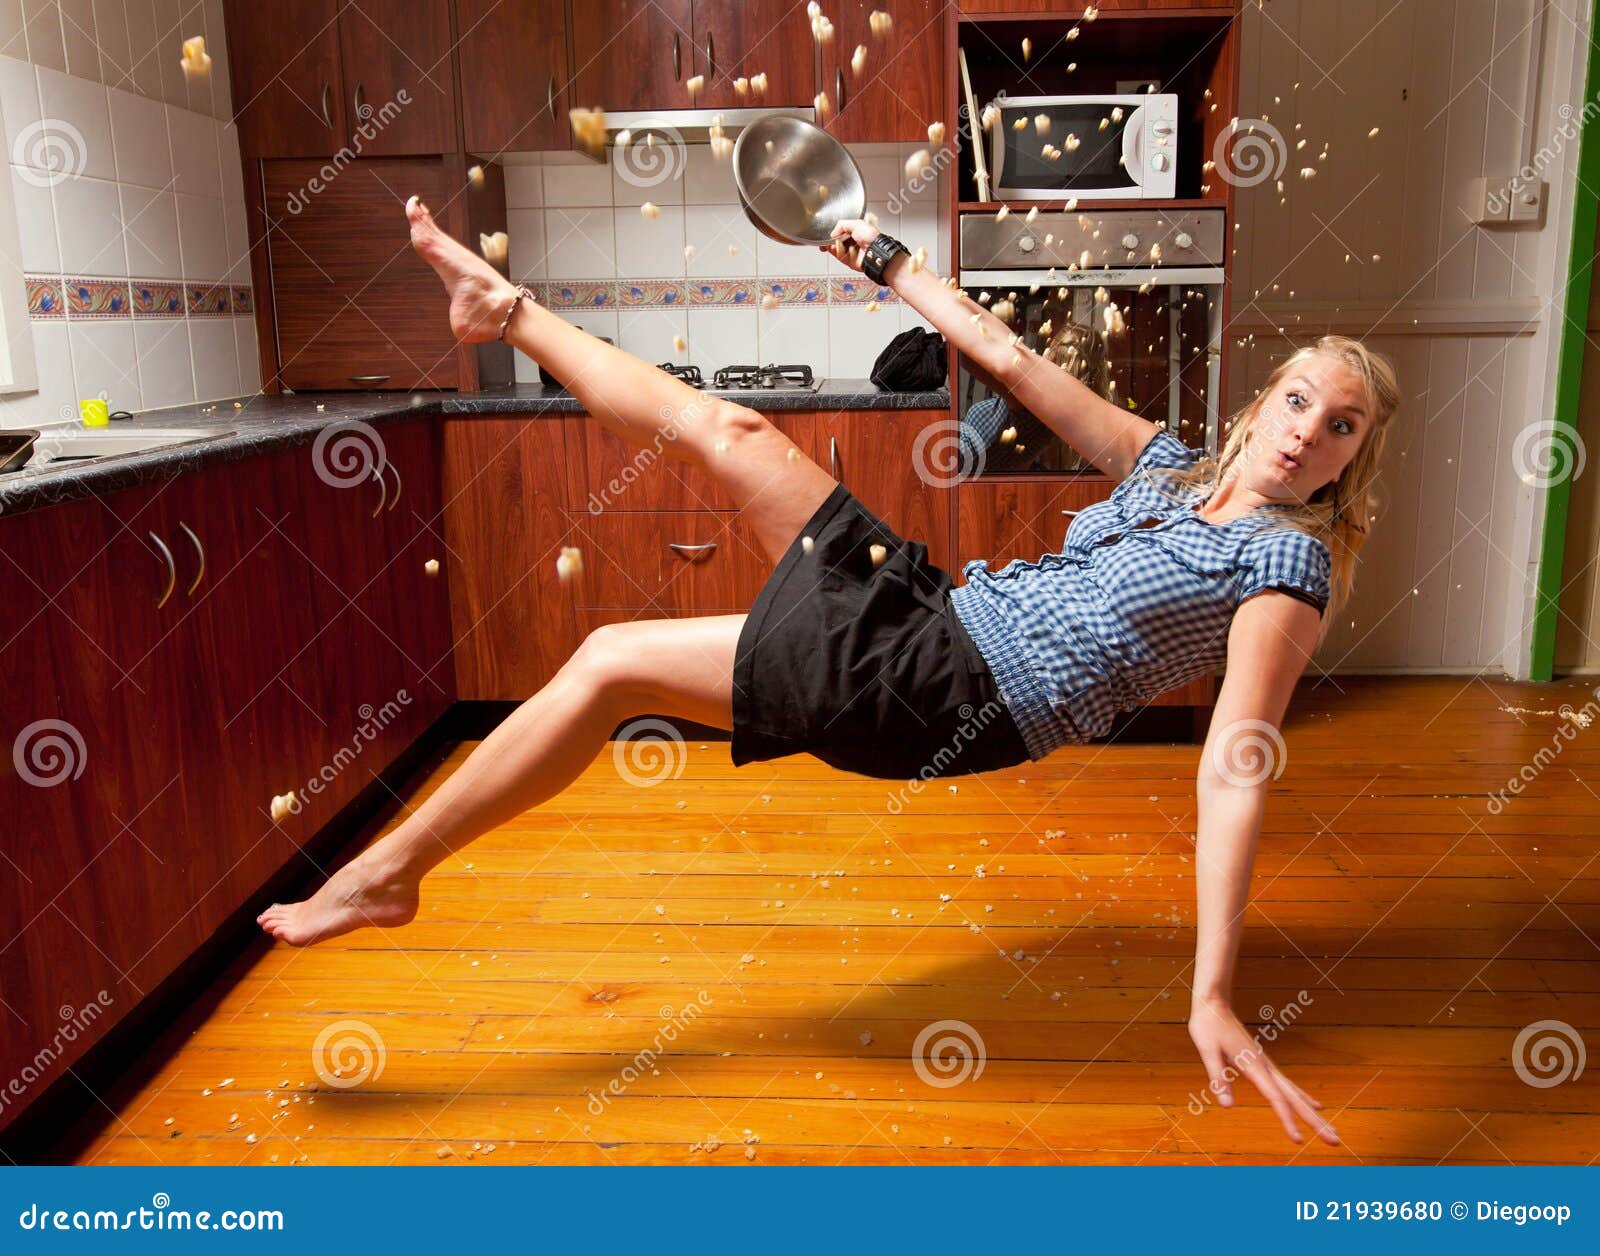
<point x="861" y="652"/>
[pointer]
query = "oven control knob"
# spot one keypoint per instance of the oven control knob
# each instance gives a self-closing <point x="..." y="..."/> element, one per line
<point x="1130" y="242"/>
<point x="1184" y="240"/>
<point x="1026" y="243"/>
<point x="1161" y="162"/>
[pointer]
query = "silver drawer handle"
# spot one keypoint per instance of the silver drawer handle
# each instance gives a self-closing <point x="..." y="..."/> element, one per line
<point x="172" y="569"/>
<point x="686" y="550"/>
<point x="833" y="457"/>
<point x="1069" y="512"/>
<point x="366" y="379"/>
<point x="327" y="118"/>
<point x="383" y="492"/>
<point x="200" y="552"/>
<point x="395" y="500"/>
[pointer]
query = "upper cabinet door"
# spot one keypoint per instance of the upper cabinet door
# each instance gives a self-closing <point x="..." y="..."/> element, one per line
<point x="633" y="54"/>
<point x="900" y="89"/>
<point x="514" y="80"/>
<point x="392" y="47"/>
<point x="284" y="60"/>
<point x="742" y="38"/>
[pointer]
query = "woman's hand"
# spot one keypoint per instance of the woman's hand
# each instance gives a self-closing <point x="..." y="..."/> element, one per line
<point x="851" y="236"/>
<point x="1228" y="1050"/>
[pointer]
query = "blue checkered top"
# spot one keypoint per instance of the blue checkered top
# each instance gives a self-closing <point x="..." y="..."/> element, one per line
<point x="1124" y="613"/>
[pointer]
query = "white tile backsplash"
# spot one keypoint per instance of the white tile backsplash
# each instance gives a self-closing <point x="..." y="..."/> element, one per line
<point x="116" y="175"/>
<point x="556" y="203"/>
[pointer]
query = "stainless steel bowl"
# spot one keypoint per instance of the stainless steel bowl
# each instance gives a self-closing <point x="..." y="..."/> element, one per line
<point x="779" y="165"/>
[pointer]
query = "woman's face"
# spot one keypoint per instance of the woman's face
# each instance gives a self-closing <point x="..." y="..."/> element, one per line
<point x="1309" y="428"/>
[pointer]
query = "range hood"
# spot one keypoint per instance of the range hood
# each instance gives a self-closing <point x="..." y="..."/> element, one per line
<point x="693" y="126"/>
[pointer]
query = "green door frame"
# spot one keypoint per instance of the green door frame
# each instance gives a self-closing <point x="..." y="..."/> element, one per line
<point x="1569" y="377"/>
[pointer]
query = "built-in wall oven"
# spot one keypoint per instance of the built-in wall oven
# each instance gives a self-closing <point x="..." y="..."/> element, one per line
<point x="1128" y="301"/>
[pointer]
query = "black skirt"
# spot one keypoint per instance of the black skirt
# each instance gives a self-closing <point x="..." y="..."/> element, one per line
<point x="866" y="667"/>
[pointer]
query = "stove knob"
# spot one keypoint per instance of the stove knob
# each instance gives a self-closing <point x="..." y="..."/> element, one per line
<point x="1130" y="242"/>
<point x="1184" y="240"/>
<point x="1161" y="162"/>
<point x="1026" y="243"/>
<point x="1162" y="128"/>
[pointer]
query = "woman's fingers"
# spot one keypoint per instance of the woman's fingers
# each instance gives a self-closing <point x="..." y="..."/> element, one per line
<point x="1216" y="1065"/>
<point x="1307" y="1107"/>
<point x="1267" y="1084"/>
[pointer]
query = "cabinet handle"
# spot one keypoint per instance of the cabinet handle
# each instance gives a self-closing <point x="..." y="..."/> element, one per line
<point x="327" y="118"/>
<point x="711" y="56"/>
<point x="383" y="492"/>
<point x="838" y="89"/>
<point x="1069" y="512"/>
<point x="677" y="58"/>
<point x="366" y="379"/>
<point x="200" y="553"/>
<point x="686" y="550"/>
<point x="550" y="95"/>
<point x="360" y="116"/>
<point x="833" y="457"/>
<point x="172" y="569"/>
<point x="395" y="500"/>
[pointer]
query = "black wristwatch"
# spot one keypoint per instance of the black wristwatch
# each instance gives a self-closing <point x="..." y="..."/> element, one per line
<point x="883" y="250"/>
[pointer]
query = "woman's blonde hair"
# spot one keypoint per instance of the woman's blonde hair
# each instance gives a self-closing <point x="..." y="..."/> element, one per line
<point x="1339" y="513"/>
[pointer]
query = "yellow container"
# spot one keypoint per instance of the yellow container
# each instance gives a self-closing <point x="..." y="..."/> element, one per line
<point x="95" y="412"/>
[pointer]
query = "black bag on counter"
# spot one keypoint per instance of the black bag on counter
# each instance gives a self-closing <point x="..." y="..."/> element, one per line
<point x="914" y="361"/>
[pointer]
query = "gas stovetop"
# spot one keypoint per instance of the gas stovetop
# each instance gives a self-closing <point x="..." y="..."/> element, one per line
<point x="748" y="378"/>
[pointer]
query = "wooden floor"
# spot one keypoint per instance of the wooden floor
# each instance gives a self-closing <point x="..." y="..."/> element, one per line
<point x="768" y="943"/>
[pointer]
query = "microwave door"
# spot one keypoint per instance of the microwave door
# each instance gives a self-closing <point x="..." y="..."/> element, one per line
<point x="1092" y="169"/>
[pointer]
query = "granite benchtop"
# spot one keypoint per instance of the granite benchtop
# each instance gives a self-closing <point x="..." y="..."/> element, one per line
<point x="259" y="424"/>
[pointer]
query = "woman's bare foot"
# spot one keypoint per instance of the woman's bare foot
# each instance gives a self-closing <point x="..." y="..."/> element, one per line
<point x="358" y="895"/>
<point x="479" y="294"/>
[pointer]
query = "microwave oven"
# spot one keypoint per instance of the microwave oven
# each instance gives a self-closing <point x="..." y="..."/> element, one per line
<point x="1107" y="147"/>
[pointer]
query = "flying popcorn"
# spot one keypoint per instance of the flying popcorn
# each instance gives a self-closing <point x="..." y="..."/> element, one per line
<point x="769" y="302"/>
<point x="588" y="129"/>
<point x="872" y="307"/>
<point x="917" y="164"/>
<point x="878" y="553"/>
<point x="758" y="83"/>
<point x="1027" y="49"/>
<point x="858" y="60"/>
<point x="650" y="210"/>
<point x="807" y="544"/>
<point x="936" y="134"/>
<point x="569" y="563"/>
<point x="990" y="115"/>
<point x="494" y="247"/>
<point x="1002" y="212"/>
<point x="821" y="105"/>
<point x="196" y="60"/>
<point x="881" y="23"/>
<point x="694" y="84"/>
<point x="919" y="259"/>
<point x="1041" y="123"/>
<point x="741" y="86"/>
<point x="679" y="344"/>
<point x="475" y="176"/>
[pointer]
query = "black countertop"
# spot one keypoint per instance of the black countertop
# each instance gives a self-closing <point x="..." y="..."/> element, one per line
<point x="259" y="424"/>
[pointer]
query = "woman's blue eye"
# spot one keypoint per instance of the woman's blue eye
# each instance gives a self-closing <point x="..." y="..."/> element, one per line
<point x="1344" y="426"/>
<point x="1297" y="398"/>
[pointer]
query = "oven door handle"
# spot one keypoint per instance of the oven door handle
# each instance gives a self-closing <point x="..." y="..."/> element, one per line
<point x="1113" y="277"/>
<point x="1133" y="144"/>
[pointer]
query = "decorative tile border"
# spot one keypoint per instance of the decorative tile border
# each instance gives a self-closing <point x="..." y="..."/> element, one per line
<point x="45" y="299"/>
<point x="158" y="298"/>
<point x="97" y="298"/>
<point x="53" y="296"/>
<point x="645" y="294"/>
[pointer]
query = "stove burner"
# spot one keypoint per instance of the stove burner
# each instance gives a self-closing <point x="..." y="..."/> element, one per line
<point x="763" y="377"/>
<point x="688" y="374"/>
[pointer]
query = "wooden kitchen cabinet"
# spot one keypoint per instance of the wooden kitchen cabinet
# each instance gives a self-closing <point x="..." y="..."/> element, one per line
<point x="1053" y="8"/>
<point x="356" y="307"/>
<point x="504" y="481"/>
<point x="877" y="454"/>
<point x="736" y="39"/>
<point x="901" y="89"/>
<point x="307" y="73"/>
<point x="633" y="54"/>
<point x="395" y="46"/>
<point x="283" y="59"/>
<point x="515" y="79"/>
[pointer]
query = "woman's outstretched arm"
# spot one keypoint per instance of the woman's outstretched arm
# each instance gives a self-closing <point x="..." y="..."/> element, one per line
<point x="1269" y="644"/>
<point x="1109" y="437"/>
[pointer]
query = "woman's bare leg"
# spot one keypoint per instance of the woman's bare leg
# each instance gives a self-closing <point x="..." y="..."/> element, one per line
<point x="778" y="490"/>
<point x="673" y="667"/>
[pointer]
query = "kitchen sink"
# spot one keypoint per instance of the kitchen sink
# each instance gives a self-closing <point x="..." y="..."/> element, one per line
<point x="70" y="442"/>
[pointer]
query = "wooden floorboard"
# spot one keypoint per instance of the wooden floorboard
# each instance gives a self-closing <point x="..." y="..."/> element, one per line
<point x="735" y="966"/>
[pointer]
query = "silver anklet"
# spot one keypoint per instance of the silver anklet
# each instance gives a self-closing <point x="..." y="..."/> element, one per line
<point x="505" y="323"/>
